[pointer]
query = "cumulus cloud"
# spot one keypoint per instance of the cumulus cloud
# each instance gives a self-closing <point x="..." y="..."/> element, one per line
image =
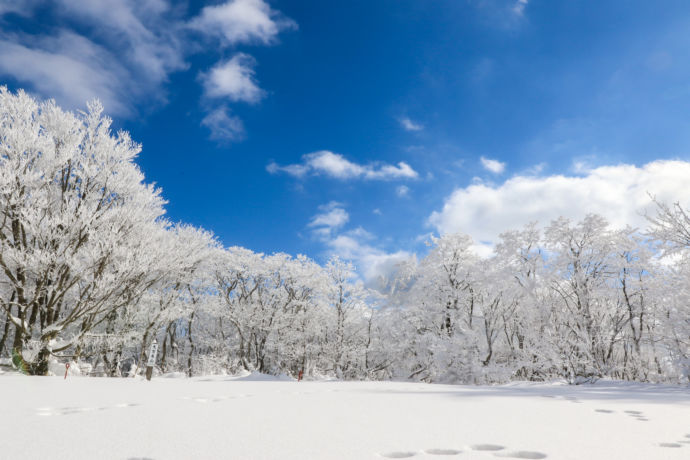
<point x="332" y="216"/>
<point x="334" y="165"/>
<point x="356" y="245"/>
<point x="234" y="80"/>
<point x="241" y="21"/>
<point x="372" y="262"/>
<point x="409" y="125"/>
<point x="493" y="166"/>
<point x="124" y="51"/>
<point x="619" y="193"/>
<point x="223" y="126"/>
<point x="402" y="191"/>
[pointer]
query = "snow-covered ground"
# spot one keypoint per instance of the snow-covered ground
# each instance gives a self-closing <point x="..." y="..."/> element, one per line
<point x="260" y="418"/>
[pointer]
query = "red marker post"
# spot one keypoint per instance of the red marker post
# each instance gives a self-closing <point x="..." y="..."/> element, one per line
<point x="66" y="369"/>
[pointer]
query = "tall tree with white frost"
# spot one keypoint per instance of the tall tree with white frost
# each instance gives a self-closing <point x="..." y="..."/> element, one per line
<point x="75" y="224"/>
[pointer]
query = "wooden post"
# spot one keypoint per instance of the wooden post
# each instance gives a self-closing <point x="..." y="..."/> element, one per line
<point x="152" y="359"/>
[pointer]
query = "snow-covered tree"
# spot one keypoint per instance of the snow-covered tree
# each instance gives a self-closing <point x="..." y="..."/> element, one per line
<point x="76" y="226"/>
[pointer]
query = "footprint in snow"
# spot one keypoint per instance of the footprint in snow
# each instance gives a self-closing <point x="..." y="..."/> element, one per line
<point x="669" y="444"/>
<point x="639" y="415"/>
<point x="522" y="454"/>
<point x="399" y="454"/>
<point x="47" y="412"/>
<point x="487" y="447"/>
<point x="442" y="451"/>
<point x="604" y="411"/>
<point x="127" y="405"/>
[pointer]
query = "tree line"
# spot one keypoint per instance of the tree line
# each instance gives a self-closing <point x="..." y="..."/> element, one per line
<point x="92" y="272"/>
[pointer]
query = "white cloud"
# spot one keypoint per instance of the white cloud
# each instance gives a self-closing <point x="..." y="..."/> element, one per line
<point x="410" y="125"/>
<point x="241" y="21"/>
<point x="293" y="170"/>
<point x="356" y="245"/>
<point x="372" y="262"/>
<point x="68" y="68"/>
<point x="133" y="49"/>
<point x="402" y="191"/>
<point x="619" y="193"/>
<point x="335" y="165"/>
<point x="519" y="7"/>
<point x="20" y="7"/>
<point x="146" y="32"/>
<point x="223" y="126"/>
<point x="331" y="217"/>
<point x="493" y="166"/>
<point x="234" y="80"/>
<point x="534" y="170"/>
<point x="124" y="51"/>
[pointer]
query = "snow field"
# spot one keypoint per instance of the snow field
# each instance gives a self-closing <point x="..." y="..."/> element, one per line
<point x="246" y="419"/>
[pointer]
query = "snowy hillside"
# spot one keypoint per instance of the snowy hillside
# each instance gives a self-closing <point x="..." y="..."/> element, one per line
<point x="250" y="418"/>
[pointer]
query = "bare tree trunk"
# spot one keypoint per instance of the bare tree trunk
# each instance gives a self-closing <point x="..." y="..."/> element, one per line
<point x="191" y="344"/>
<point x="5" y="333"/>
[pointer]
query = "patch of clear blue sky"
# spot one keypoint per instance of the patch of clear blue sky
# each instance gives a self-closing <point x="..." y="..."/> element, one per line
<point x="604" y="81"/>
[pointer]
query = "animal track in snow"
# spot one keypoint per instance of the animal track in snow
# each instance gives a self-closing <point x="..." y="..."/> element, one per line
<point x="50" y="411"/>
<point x="604" y="411"/>
<point x="215" y="399"/>
<point x="399" y="454"/>
<point x="443" y="451"/>
<point x="495" y="448"/>
<point x="522" y="454"/>
<point x="669" y="444"/>
<point x="636" y="414"/>
<point x="47" y="412"/>
<point x="127" y="405"/>
<point x="487" y="447"/>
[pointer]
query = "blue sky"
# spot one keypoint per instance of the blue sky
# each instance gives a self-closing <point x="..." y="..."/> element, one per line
<point x="360" y="127"/>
